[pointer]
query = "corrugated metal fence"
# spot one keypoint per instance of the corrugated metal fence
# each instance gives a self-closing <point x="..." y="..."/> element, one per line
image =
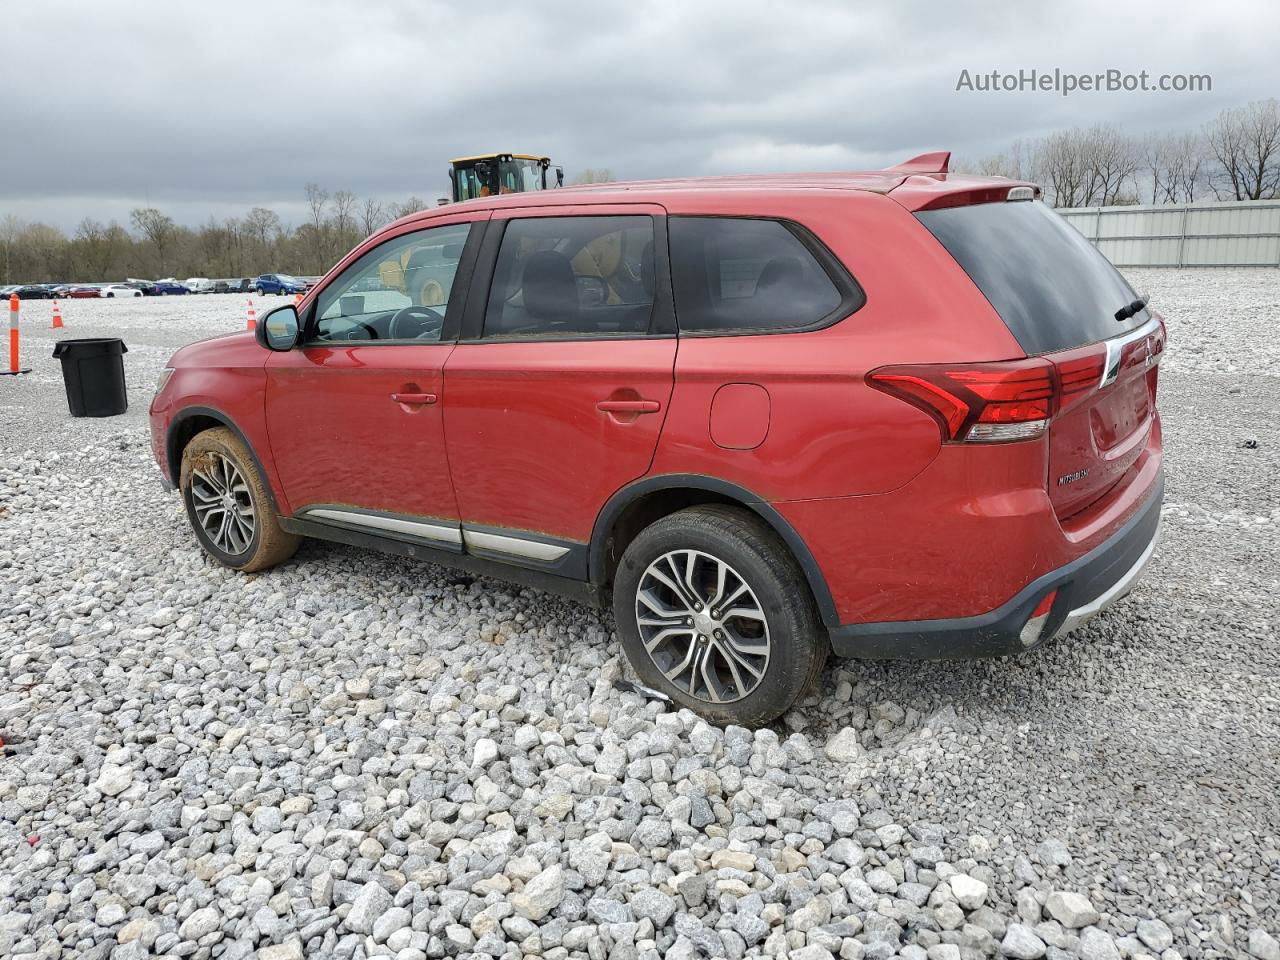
<point x="1239" y="234"/>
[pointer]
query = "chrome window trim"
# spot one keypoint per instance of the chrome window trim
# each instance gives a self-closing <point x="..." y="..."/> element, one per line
<point x="1111" y="369"/>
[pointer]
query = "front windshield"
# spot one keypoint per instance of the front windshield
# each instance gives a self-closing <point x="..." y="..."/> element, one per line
<point x="517" y="176"/>
<point x="485" y="178"/>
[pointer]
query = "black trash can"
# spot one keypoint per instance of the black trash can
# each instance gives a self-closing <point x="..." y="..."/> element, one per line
<point x="93" y="371"/>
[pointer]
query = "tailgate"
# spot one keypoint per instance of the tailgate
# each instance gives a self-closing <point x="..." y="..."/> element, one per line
<point x="1094" y="442"/>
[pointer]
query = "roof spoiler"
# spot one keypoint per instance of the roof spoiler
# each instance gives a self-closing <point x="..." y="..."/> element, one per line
<point x="925" y="163"/>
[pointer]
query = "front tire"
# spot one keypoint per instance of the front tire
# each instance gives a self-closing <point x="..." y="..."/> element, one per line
<point x="714" y="611"/>
<point x="228" y="505"/>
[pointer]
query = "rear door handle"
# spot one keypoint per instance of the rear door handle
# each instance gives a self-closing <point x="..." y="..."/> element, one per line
<point x="414" y="399"/>
<point x="629" y="406"/>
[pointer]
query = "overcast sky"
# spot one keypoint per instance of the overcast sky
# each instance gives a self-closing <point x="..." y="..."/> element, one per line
<point x="211" y="108"/>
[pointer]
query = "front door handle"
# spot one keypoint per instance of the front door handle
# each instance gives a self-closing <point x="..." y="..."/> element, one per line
<point x="414" y="399"/>
<point x="629" y="406"/>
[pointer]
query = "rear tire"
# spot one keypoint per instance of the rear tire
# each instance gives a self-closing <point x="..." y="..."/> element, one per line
<point x="744" y="663"/>
<point x="220" y="482"/>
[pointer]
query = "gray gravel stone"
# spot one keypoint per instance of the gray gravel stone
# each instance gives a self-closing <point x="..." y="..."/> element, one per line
<point x="1262" y="945"/>
<point x="1020" y="942"/>
<point x="541" y="894"/>
<point x="199" y="924"/>
<point x="369" y="904"/>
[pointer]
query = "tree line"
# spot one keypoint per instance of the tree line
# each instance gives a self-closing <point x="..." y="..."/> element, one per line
<point x="1236" y="156"/>
<point x="153" y="245"/>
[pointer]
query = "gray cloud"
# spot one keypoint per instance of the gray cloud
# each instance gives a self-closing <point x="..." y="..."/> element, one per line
<point x="208" y="109"/>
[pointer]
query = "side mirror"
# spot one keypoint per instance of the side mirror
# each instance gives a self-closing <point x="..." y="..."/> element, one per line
<point x="278" y="328"/>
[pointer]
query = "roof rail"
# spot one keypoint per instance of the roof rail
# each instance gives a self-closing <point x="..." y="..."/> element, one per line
<point x="925" y="163"/>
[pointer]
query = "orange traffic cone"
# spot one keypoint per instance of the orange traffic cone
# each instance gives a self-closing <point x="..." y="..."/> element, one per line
<point x="297" y="299"/>
<point x="57" y="317"/>
<point x="251" y="322"/>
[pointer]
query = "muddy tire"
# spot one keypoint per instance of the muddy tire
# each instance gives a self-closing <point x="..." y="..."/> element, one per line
<point x="229" y="506"/>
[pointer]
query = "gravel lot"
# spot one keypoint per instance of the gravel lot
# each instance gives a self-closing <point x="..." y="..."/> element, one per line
<point x="348" y="757"/>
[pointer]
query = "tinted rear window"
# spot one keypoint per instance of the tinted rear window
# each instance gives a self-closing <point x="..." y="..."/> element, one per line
<point x="737" y="274"/>
<point x="1050" y="286"/>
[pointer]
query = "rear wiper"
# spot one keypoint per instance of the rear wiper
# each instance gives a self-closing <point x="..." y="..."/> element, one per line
<point x="1129" y="309"/>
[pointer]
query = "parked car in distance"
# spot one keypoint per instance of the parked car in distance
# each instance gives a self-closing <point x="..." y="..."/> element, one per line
<point x="199" y="284"/>
<point x="898" y="416"/>
<point x="146" y="286"/>
<point x="81" y="291"/>
<point x="169" y="288"/>
<point x="119" y="290"/>
<point x="31" y="291"/>
<point x="279" y="283"/>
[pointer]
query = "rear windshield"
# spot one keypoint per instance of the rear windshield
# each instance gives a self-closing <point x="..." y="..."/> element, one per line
<point x="1050" y="286"/>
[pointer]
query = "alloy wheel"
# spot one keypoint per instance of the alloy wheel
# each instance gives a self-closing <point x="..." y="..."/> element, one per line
<point x="702" y="626"/>
<point x="223" y="505"/>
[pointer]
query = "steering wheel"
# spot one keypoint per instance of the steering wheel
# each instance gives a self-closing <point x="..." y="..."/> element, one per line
<point x="415" y="323"/>
<point x="360" y="324"/>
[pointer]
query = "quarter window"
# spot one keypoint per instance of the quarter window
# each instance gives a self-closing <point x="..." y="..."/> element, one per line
<point x="399" y="290"/>
<point x="573" y="275"/>
<point x="735" y="274"/>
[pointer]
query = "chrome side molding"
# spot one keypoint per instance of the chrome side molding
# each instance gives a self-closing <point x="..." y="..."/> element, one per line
<point x="455" y="534"/>
<point x="414" y="528"/>
<point x="513" y="546"/>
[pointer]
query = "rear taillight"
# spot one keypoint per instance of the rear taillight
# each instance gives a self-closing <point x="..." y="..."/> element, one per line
<point x="995" y="402"/>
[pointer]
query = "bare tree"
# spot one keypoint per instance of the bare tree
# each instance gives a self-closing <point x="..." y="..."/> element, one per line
<point x="1016" y="163"/>
<point x="317" y="200"/>
<point x="317" y="235"/>
<point x="10" y="230"/>
<point x="157" y="227"/>
<point x="1245" y="142"/>
<point x="261" y="225"/>
<point x="95" y="243"/>
<point x="1174" y="166"/>
<point x="344" y="220"/>
<point x="412" y="205"/>
<point x="1111" y="161"/>
<point x="1063" y="169"/>
<point x="371" y="215"/>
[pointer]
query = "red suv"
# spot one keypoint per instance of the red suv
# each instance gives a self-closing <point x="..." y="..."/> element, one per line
<point x="889" y="414"/>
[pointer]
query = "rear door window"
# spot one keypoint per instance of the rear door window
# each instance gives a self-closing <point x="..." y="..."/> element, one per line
<point x="1053" y="290"/>
<point x="573" y="276"/>
<point x="734" y="274"/>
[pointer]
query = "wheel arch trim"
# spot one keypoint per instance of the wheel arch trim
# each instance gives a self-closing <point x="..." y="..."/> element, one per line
<point x="622" y="499"/>
<point x="189" y="413"/>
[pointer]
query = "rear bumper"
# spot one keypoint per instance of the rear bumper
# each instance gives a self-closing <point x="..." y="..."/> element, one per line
<point x="1085" y="587"/>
